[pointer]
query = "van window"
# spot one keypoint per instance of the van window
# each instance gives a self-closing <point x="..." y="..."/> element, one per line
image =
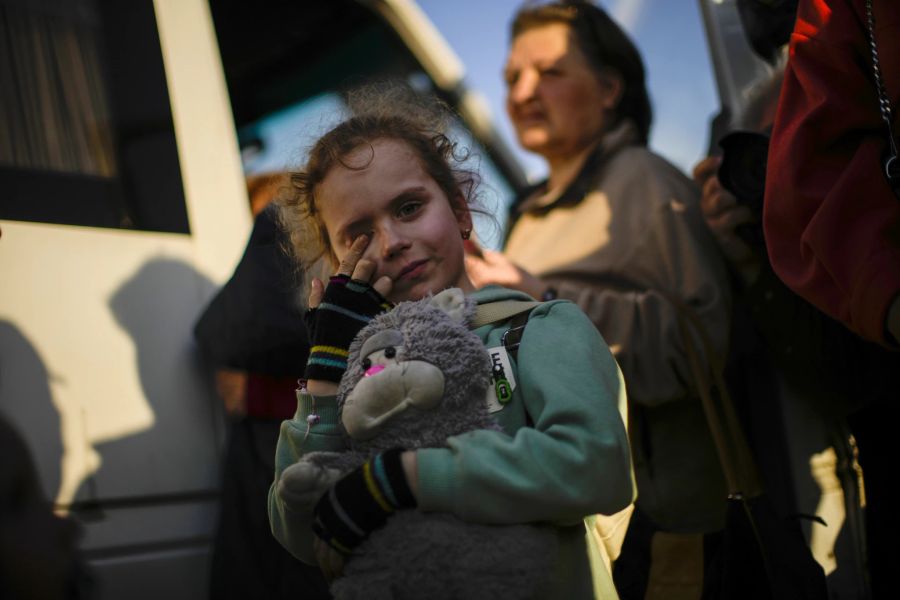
<point x="86" y="134"/>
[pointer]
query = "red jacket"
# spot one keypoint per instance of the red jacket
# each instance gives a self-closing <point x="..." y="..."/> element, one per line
<point x="832" y="222"/>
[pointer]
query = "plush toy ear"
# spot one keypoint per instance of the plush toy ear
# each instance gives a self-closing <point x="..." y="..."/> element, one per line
<point x="453" y="302"/>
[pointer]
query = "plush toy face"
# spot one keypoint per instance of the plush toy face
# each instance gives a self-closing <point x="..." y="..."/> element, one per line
<point x="391" y="384"/>
<point x="415" y="372"/>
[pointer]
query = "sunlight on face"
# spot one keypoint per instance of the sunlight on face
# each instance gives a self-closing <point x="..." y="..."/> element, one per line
<point x="415" y="232"/>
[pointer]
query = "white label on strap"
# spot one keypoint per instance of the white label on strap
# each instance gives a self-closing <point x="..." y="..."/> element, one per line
<point x="503" y="382"/>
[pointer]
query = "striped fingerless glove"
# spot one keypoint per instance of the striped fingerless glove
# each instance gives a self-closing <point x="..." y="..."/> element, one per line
<point x="346" y="307"/>
<point x="361" y="501"/>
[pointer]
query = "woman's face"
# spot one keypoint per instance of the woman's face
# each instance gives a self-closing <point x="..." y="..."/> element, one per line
<point x="557" y="102"/>
<point x="415" y="232"/>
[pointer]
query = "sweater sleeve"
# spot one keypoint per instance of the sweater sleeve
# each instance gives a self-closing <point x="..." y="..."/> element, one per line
<point x="575" y="461"/>
<point x="628" y="303"/>
<point x="290" y="528"/>
<point x="832" y="222"/>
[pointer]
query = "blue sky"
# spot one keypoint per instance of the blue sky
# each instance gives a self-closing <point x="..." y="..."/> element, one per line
<point x="668" y="33"/>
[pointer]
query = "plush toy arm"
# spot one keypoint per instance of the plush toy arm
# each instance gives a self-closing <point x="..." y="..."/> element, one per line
<point x="303" y="483"/>
<point x="290" y="512"/>
<point x="297" y="490"/>
<point x="337" y="461"/>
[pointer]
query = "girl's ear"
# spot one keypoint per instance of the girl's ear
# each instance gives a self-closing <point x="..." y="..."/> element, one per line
<point x="462" y="212"/>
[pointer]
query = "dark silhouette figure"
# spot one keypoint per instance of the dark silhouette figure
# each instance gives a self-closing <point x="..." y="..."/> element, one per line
<point x="39" y="556"/>
<point x="253" y="335"/>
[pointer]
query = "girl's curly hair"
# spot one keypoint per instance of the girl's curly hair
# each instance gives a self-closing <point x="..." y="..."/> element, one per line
<point x="377" y="112"/>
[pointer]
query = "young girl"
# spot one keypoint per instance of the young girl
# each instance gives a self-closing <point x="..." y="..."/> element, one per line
<point x="387" y="204"/>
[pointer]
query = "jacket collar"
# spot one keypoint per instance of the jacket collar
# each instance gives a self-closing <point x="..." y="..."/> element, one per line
<point x="533" y="200"/>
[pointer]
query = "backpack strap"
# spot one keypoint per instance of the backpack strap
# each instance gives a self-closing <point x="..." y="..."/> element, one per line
<point x="512" y="337"/>
<point x="494" y="312"/>
<point x="516" y="311"/>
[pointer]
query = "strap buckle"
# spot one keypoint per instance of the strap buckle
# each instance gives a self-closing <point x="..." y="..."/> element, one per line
<point x="517" y="335"/>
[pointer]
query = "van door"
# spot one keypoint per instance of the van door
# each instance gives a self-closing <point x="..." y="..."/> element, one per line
<point x="123" y="209"/>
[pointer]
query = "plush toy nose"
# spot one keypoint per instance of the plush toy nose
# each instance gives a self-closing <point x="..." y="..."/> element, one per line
<point x="374" y="370"/>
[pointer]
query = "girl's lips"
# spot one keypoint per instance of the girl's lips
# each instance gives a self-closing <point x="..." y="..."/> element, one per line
<point x="413" y="269"/>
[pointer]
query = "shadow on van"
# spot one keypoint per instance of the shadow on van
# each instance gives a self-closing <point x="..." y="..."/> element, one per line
<point x="150" y="508"/>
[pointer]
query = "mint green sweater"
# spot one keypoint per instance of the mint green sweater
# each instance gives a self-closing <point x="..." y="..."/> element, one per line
<point x="572" y="462"/>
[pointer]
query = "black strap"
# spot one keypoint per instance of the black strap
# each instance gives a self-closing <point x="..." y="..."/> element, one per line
<point x="511" y="339"/>
<point x="513" y="336"/>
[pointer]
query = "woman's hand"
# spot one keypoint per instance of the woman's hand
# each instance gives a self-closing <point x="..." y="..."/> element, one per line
<point x="487" y="266"/>
<point x="337" y="313"/>
<point x="723" y="215"/>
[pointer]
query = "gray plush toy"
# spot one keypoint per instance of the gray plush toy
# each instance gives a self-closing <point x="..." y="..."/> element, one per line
<point x="416" y="376"/>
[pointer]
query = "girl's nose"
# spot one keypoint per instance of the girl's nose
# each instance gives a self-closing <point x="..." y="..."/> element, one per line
<point x="393" y="242"/>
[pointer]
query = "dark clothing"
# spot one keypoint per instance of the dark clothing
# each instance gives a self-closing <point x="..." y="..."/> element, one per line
<point x="255" y="325"/>
<point x="39" y="556"/>
<point x="247" y="561"/>
<point x="271" y="397"/>
<point x="832" y="224"/>
<point x="832" y="221"/>
<point x="846" y="379"/>
<point x="874" y="428"/>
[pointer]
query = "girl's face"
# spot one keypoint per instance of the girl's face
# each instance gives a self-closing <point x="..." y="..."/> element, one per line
<point x="415" y="231"/>
<point x="556" y="101"/>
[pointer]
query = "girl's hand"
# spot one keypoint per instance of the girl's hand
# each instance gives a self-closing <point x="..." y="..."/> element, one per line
<point x="338" y="312"/>
<point x="363" y="500"/>
<point x="494" y="267"/>
<point x="358" y="268"/>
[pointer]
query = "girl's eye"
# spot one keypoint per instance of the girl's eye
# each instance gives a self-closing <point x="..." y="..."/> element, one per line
<point x="390" y="352"/>
<point x="366" y="364"/>
<point x="408" y="209"/>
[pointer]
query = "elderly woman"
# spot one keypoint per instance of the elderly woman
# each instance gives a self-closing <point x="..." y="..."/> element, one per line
<point x="616" y="229"/>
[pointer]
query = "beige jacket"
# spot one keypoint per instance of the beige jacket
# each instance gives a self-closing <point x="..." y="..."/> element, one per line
<point x="628" y="226"/>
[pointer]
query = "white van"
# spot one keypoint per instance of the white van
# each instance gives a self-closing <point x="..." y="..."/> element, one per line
<point x="123" y="208"/>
